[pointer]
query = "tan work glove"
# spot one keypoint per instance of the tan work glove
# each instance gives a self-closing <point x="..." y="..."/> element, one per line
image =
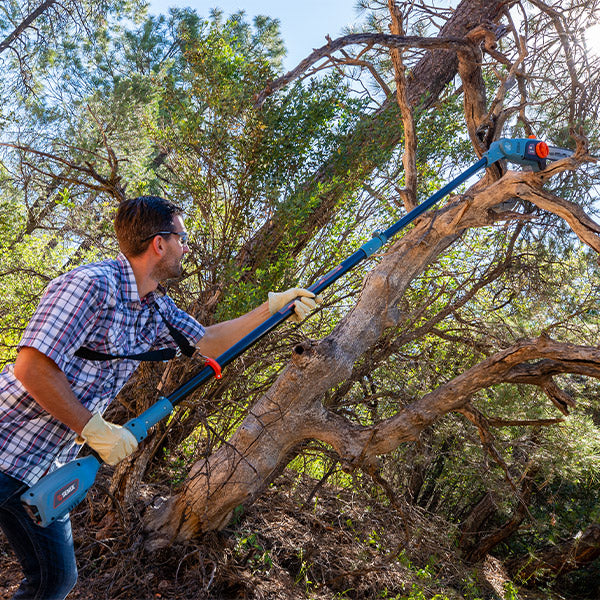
<point x="112" y="442"/>
<point x="302" y="306"/>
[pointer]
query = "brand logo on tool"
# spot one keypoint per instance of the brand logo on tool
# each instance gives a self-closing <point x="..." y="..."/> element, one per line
<point x="66" y="492"/>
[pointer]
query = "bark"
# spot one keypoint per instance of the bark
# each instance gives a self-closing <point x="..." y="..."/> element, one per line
<point x="375" y="137"/>
<point x="409" y="159"/>
<point x="473" y="545"/>
<point x="472" y="527"/>
<point x="506" y="530"/>
<point x="291" y="411"/>
<point x="470" y="59"/>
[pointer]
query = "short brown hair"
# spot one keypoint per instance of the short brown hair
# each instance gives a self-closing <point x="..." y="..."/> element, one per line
<point x="138" y="219"/>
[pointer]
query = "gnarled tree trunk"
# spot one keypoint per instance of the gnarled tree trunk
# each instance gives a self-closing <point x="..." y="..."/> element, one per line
<point x="292" y="411"/>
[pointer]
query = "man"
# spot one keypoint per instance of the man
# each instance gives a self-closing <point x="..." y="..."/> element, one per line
<point x="92" y="327"/>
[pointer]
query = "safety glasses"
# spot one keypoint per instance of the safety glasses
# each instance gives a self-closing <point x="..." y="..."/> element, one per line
<point x="184" y="236"/>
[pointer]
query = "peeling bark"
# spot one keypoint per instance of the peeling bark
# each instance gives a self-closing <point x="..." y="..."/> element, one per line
<point x="409" y="158"/>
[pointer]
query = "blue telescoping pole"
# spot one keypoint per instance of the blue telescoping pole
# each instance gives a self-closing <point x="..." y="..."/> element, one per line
<point x="55" y="494"/>
<point x="366" y="250"/>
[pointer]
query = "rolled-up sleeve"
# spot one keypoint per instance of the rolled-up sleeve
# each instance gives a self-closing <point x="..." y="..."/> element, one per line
<point x="64" y="317"/>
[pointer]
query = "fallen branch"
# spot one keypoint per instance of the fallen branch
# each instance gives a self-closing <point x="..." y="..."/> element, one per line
<point x="563" y="558"/>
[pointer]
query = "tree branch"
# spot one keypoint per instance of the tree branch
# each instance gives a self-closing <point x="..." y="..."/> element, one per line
<point x="25" y="23"/>
<point x="409" y="158"/>
<point x="354" y="39"/>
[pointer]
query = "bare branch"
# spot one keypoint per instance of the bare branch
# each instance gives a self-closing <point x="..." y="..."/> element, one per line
<point x="454" y="395"/>
<point x="557" y="20"/>
<point x="409" y="158"/>
<point x="373" y="39"/>
<point x="586" y="229"/>
<point x="497" y="422"/>
<point x="487" y="439"/>
<point x="110" y="184"/>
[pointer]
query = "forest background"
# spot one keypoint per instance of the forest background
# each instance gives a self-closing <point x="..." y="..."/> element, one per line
<point x="432" y="431"/>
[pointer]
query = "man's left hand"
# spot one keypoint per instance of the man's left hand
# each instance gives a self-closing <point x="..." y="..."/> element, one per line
<point x="305" y="303"/>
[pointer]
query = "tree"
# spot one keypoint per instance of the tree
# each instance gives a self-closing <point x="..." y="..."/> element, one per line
<point x="467" y="324"/>
<point x="293" y="411"/>
<point x="29" y="29"/>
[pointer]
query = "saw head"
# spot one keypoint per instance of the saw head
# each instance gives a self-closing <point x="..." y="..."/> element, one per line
<point x="527" y="152"/>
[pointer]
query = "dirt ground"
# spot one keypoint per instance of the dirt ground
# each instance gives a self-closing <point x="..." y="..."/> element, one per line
<point x="339" y="545"/>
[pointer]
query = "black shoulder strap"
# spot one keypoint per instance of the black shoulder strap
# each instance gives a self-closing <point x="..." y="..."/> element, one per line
<point x="152" y="355"/>
<point x="184" y="345"/>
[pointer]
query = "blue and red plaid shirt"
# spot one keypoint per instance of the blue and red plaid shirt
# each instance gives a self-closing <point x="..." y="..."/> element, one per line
<point x="96" y="306"/>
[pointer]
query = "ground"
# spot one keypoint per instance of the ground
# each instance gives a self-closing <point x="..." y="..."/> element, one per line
<point x="292" y="544"/>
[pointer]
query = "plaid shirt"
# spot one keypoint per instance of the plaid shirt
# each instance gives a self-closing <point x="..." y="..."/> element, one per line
<point x="96" y="306"/>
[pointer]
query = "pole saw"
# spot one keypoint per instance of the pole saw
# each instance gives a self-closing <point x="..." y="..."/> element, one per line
<point x="55" y="494"/>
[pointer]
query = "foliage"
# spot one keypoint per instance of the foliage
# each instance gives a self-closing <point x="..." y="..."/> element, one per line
<point x="165" y="105"/>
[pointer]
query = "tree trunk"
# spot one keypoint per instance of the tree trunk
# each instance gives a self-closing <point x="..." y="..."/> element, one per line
<point x="291" y="411"/>
<point x="366" y="148"/>
<point x="471" y="527"/>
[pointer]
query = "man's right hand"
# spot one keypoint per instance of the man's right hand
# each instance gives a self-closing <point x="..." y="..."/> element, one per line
<point x="112" y="442"/>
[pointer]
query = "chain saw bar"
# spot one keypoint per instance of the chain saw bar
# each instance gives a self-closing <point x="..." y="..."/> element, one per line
<point x="54" y="495"/>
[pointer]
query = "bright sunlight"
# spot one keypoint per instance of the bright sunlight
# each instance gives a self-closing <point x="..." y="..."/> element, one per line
<point x="592" y="38"/>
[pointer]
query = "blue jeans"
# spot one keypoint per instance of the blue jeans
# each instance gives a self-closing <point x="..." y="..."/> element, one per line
<point x="46" y="554"/>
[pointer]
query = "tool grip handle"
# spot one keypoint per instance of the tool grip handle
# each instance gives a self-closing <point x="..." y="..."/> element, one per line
<point x="156" y="413"/>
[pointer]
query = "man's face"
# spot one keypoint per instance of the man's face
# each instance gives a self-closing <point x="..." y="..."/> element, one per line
<point x="170" y="265"/>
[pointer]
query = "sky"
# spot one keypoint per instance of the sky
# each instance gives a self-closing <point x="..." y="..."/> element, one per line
<point x="304" y="23"/>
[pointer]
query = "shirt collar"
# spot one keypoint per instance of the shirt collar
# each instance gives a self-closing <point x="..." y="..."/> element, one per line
<point x="128" y="287"/>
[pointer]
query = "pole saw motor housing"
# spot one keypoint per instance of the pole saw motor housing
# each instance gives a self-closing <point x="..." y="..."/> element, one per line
<point x="57" y="493"/>
<point x="523" y="151"/>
